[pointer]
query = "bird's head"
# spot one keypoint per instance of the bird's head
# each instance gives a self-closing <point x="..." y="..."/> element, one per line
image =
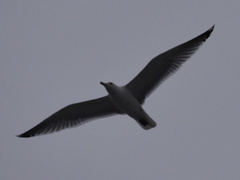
<point x="109" y="86"/>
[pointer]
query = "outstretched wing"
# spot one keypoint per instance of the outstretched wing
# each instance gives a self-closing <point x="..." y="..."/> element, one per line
<point x="165" y="64"/>
<point x="73" y="115"/>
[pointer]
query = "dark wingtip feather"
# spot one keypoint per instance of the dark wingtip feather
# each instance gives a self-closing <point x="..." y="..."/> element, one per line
<point x="21" y="136"/>
<point x="211" y="29"/>
<point x="208" y="32"/>
<point x="24" y="135"/>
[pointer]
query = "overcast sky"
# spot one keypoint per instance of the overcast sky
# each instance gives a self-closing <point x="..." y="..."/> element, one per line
<point x="54" y="53"/>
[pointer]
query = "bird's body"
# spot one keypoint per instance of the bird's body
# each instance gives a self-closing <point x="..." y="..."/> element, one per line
<point x="123" y="99"/>
<point x="126" y="99"/>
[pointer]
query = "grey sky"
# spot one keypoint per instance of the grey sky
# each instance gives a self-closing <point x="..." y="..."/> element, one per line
<point x="54" y="53"/>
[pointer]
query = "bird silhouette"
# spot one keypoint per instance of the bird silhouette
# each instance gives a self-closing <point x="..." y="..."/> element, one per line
<point x="126" y="99"/>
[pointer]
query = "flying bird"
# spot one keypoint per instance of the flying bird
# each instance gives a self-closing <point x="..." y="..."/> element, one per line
<point x="126" y="99"/>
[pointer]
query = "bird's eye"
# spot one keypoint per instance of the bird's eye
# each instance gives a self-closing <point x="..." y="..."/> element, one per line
<point x="111" y="83"/>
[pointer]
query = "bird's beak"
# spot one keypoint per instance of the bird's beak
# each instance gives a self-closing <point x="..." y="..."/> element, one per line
<point x="102" y="83"/>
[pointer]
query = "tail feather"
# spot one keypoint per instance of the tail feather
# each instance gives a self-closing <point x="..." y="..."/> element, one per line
<point x="146" y="122"/>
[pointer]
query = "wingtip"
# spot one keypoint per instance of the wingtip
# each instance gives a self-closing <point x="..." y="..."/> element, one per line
<point x="212" y="28"/>
<point x="208" y="33"/>
<point x="24" y="135"/>
<point x="20" y="136"/>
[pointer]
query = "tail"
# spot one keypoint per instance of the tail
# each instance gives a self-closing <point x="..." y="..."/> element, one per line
<point x="145" y="121"/>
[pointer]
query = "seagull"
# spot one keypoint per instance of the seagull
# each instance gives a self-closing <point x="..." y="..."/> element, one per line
<point x="126" y="99"/>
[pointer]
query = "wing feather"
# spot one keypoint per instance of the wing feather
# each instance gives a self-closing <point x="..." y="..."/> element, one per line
<point x="164" y="65"/>
<point x="73" y="115"/>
